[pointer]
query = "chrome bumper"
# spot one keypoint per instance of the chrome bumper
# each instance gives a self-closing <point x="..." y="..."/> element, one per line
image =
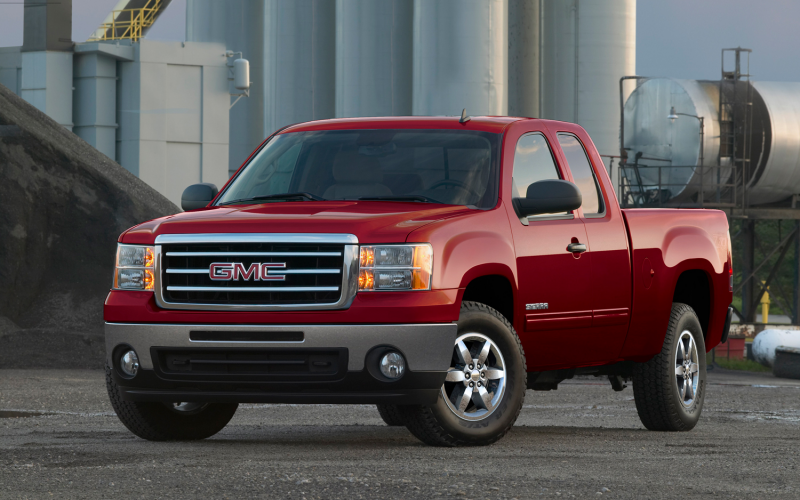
<point x="426" y="347"/>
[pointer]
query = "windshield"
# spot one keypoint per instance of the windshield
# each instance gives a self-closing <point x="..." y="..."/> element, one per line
<point x="456" y="167"/>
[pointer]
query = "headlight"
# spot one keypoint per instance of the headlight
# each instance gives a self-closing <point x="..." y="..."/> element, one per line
<point x="135" y="268"/>
<point x="395" y="267"/>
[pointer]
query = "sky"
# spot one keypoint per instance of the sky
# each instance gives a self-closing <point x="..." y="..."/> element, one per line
<point x="674" y="38"/>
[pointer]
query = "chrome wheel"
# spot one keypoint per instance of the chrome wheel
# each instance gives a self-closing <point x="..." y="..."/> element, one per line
<point x="476" y="380"/>
<point x="687" y="368"/>
<point x="186" y="408"/>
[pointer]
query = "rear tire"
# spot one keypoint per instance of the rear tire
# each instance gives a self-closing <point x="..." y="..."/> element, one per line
<point x="481" y="413"/>
<point x="669" y="390"/>
<point x="157" y="421"/>
<point x="392" y="415"/>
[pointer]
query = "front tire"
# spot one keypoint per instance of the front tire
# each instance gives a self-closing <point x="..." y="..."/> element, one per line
<point x="485" y="385"/>
<point x="157" y="421"/>
<point x="669" y="390"/>
<point x="392" y="415"/>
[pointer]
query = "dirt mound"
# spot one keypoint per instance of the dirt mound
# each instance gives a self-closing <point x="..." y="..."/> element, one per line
<point x="62" y="206"/>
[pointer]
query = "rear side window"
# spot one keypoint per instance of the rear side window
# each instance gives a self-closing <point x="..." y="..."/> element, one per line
<point x="533" y="162"/>
<point x="583" y="174"/>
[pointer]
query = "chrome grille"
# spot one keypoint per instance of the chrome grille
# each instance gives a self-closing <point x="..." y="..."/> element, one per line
<point x="256" y="271"/>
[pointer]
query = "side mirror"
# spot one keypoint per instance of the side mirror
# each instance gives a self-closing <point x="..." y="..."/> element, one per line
<point x="548" y="197"/>
<point x="198" y="196"/>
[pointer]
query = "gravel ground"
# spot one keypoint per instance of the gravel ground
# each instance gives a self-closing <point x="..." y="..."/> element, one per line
<point x="60" y="438"/>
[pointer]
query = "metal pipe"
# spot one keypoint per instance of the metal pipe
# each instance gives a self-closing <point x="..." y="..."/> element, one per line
<point x="622" y="152"/>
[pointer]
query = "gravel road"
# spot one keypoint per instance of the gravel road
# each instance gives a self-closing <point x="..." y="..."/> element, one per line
<point x="60" y="438"/>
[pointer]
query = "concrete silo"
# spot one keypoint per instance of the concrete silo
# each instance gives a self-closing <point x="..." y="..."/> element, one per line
<point x="373" y="57"/>
<point x="460" y="57"/>
<point x="587" y="46"/>
<point x="239" y="25"/>
<point x="291" y="49"/>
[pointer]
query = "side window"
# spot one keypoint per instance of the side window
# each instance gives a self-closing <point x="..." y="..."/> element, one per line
<point x="582" y="173"/>
<point x="533" y="161"/>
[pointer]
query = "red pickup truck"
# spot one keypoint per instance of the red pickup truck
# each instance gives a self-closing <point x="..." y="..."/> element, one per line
<point x="436" y="267"/>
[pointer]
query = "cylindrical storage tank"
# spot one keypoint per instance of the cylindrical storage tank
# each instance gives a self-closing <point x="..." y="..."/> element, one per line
<point x="776" y="116"/>
<point x="766" y="342"/>
<point x="460" y="57"/>
<point x="524" y="59"/>
<point x="241" y="74"/>
<point x="773" y="140"/>
<point x="373" y="57"/>
<point x="206" y="20"/>
<point x="587" y="46"/>
<point x="674" y="145"/>
<point x="299" y="62"/>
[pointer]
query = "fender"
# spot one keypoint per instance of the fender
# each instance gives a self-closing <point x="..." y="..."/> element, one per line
<point x="468" y="246"/>
<point x="665" y="244"/>
<point x="683" y="243"/>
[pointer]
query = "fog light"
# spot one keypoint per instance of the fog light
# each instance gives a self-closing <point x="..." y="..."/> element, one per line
<point x="129" y="363"/>
<point x="393" y="365"/>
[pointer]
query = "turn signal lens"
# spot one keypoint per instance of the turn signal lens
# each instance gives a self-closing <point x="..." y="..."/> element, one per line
<point x="366" y="279"/>
<point x="135" y="268"/>
<point x="395" y="267"/>
<point x="367" y="257"/>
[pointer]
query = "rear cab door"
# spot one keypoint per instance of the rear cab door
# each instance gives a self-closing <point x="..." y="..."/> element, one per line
<point x="610" y="278"/>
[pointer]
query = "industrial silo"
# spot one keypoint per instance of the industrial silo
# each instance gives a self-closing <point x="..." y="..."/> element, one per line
<point x="239" y="24"/>
<point x="373" y="57"/>
<point x="586" y="47"/>
<point x="524" y="58"/>
<point x="460" y="57"/>
<point x="299" y="62"/>
<point x="662" y="128"/>
<point x="292" y="49"/>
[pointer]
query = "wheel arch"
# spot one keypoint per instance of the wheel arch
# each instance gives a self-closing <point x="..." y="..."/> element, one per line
<point x="493" y="290"/>
<point x="693" y="288"/>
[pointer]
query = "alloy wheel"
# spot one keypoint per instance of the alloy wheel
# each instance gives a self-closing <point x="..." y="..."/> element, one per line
<point x="687" y="368"/>
<point x="476" y="379"/>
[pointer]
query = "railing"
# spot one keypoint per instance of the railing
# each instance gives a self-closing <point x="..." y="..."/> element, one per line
<point x="129" y="24"/>
<point x="646" y="186"/>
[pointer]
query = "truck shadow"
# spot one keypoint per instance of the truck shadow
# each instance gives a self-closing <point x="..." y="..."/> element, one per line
<point x="382" y="437"/>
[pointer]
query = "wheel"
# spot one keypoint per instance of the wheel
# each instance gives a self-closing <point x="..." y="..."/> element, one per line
<point x="156" y="421"/>
<point x="392" y="415"/>
<point x="670" y="388"/>
<point x="485" y="385"/>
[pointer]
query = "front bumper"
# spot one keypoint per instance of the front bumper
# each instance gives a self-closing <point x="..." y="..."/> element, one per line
<point x="427" y="348"/>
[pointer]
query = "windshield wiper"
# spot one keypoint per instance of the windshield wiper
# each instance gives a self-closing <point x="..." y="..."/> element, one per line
<point x="281" y="196"/>
<point x="401" y="197"/>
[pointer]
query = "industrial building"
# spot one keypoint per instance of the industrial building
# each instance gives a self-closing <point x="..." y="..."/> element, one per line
<point x="163" y="109"/>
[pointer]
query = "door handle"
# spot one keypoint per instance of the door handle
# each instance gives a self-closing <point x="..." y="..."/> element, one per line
<point x="576" y="247"/>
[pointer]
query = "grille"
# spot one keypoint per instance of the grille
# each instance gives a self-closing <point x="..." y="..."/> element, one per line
<point x="223" y="363"/>
<point x="295" y="273"/>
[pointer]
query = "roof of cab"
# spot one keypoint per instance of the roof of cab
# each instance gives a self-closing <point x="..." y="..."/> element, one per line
<point x="494" y="124"/>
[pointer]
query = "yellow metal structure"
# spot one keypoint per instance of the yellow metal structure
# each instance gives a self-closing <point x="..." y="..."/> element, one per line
<point x="129" y="24"/>
<point x="765" y="306"/>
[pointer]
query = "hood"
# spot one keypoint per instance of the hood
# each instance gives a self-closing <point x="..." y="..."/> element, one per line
<point x="370" y="221"/>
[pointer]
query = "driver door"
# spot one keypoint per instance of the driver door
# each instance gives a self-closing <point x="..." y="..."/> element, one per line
<point x="553" y="282"/>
